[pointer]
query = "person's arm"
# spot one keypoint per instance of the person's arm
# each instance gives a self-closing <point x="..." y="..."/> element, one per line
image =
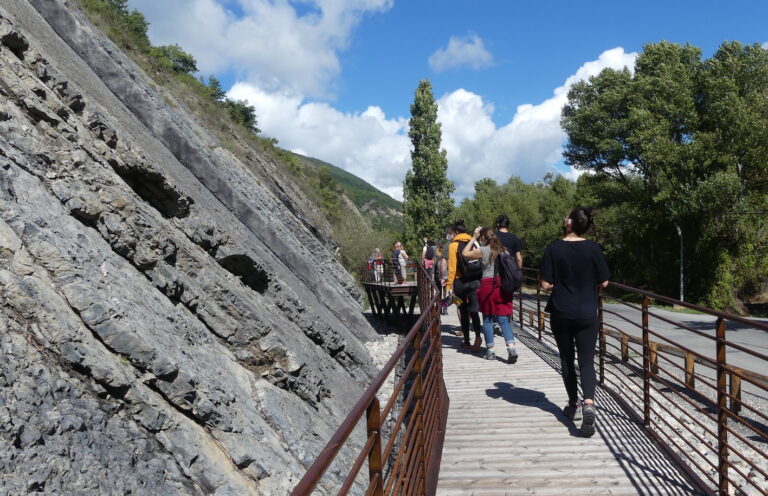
<point x="519" y="258"/>
<point x="546" y="286"/>
<point x="404" y="254"/>
<point x="471" y="252"/>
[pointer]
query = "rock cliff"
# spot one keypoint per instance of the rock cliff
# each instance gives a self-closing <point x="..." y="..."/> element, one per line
<point x="171" y="323"/>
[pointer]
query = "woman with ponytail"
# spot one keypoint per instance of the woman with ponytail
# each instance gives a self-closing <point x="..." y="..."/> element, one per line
<point x="573" y="268"/>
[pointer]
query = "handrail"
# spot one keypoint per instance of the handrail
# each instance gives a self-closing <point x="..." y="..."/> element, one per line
<point x="424" y="414"/>
<point x="657" y="397"/>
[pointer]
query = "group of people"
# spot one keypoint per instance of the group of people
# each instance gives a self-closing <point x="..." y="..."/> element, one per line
<point x="572" y="269"/>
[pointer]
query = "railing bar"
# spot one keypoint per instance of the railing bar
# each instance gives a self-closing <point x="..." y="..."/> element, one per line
<point x="739" y="347"/>
<point x="744" y="476"/>
<point x="672" y="301"/>
<point x="753" y="378"/>
<point x="398" y="424"/>
<point x="357" y="465"/>
<point x="328" y="454"/>
<point x="694" y="450"/>
<point x="399" y="387"/>
<point x="406" y="464"/>
<point x="399" y="462"/>
<point x="622" y="318"/>
<point x="748" y="425"/>
<point x="683" y="326"/>
<point x="700" y="378"/>
<point x="748" y="443"/>
<point x="690" y="416"/>
<point x="623" y="303"/>
<point x="372" y="485"/>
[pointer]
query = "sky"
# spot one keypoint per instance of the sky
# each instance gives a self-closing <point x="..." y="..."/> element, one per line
<point x="334" y="79"/>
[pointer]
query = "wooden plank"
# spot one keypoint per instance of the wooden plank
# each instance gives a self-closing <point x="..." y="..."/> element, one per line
<point x="506" y="434"/>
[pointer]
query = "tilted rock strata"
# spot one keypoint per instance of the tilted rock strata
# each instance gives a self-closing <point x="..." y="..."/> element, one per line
<point x="169" y="326"/>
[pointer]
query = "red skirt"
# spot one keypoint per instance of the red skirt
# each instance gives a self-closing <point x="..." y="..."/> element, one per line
<point x="494" y="301"/>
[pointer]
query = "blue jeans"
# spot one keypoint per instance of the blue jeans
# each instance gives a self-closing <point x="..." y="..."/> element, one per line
<point x="506" y="329"/>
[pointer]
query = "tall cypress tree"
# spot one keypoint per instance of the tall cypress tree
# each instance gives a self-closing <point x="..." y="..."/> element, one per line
<point x="427" y="202"/>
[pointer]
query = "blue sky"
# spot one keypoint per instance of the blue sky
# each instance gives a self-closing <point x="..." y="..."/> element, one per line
<point x="334" y="79"/>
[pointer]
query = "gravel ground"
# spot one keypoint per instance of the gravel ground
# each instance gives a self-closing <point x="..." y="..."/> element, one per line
<point x="687" y="432"/>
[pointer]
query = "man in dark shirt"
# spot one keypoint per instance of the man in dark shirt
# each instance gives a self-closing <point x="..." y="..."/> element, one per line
<point x="510" y="241"/>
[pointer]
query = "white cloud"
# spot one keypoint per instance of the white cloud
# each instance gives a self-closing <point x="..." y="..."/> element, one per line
<point x="377" y="148"/>
<point x="366" y="144"/>
<point x="272" y="44"/>
<point x="461" y="51"/>
<point x="765" y="45"/>
<point x="529" y="146"/>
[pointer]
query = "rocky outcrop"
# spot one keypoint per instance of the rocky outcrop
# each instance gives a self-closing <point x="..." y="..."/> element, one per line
<point x="170" y="324"/>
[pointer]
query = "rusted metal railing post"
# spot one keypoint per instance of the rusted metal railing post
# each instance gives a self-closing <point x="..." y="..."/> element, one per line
<point x="375" y="466"/>
<point x="646" y="365"/>
<point x="538" y="303"/>
<point x="601" y="336"/>
<point x="722" y="414"/>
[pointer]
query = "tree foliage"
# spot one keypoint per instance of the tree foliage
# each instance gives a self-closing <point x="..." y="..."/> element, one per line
<point x="214" y="86"/>
<point x="683" y="142"/>
<point x="242" y="113"/>
<point x="427" y="203"/>
<point x="174" y="58"/>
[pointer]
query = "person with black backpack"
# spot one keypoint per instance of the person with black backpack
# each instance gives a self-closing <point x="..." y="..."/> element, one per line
<point x="464" y="281"/>
<point x="497" y="286"/>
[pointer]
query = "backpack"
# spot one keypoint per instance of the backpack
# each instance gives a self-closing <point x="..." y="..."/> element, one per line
<point x="511" y="275"/>
<point x="471" y="270"/>
<point x="430" y="254"/>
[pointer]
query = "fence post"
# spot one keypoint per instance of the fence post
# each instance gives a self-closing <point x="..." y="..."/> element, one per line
<point x="601" y="358"/>
<point x="722" y="414"/>
<point x="624" y="347"/>
<point x="735" y="393"/>
<point x="375" y="466"/>
<point x="654" y="358"/>
<point x="646" y="365"/>
<point x="690" y="377"/>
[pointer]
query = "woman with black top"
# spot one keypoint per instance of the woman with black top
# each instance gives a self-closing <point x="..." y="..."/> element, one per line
<point x="573" y="268"/>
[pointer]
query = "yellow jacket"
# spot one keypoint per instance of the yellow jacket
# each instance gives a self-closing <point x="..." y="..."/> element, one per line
<point x="453" y="269"/>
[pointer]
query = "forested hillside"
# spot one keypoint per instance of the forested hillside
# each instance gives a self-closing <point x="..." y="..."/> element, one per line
<point x="681" y="143"/>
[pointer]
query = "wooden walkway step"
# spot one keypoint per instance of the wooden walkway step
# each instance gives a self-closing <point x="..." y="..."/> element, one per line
<point x="506" y="434"/>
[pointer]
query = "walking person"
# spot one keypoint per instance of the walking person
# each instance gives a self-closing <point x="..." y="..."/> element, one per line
<point x="573" y="268"/>
<point x="464" y="286"/>
<point x="495" y="304"/>
<point x="513" y="246"/>
<point x="428" y="253"/>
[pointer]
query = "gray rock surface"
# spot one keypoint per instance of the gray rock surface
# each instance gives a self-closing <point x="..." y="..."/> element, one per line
<point x="172" y="322"/>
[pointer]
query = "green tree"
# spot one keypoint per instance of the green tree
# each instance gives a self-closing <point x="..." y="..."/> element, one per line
<point x="427" y="203"/>
<point x="214" y="86"/>
<point x="685" y="141"/>
<point x="175" y="58"/>
<point x="242" y="113"/>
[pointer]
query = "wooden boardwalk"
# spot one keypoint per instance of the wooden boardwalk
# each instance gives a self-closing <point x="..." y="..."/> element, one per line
<point x="506" y="434"/>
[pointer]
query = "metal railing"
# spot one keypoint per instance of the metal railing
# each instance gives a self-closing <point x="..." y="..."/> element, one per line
<point x="711" y="419"/>
<point x="404" y="457"/>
